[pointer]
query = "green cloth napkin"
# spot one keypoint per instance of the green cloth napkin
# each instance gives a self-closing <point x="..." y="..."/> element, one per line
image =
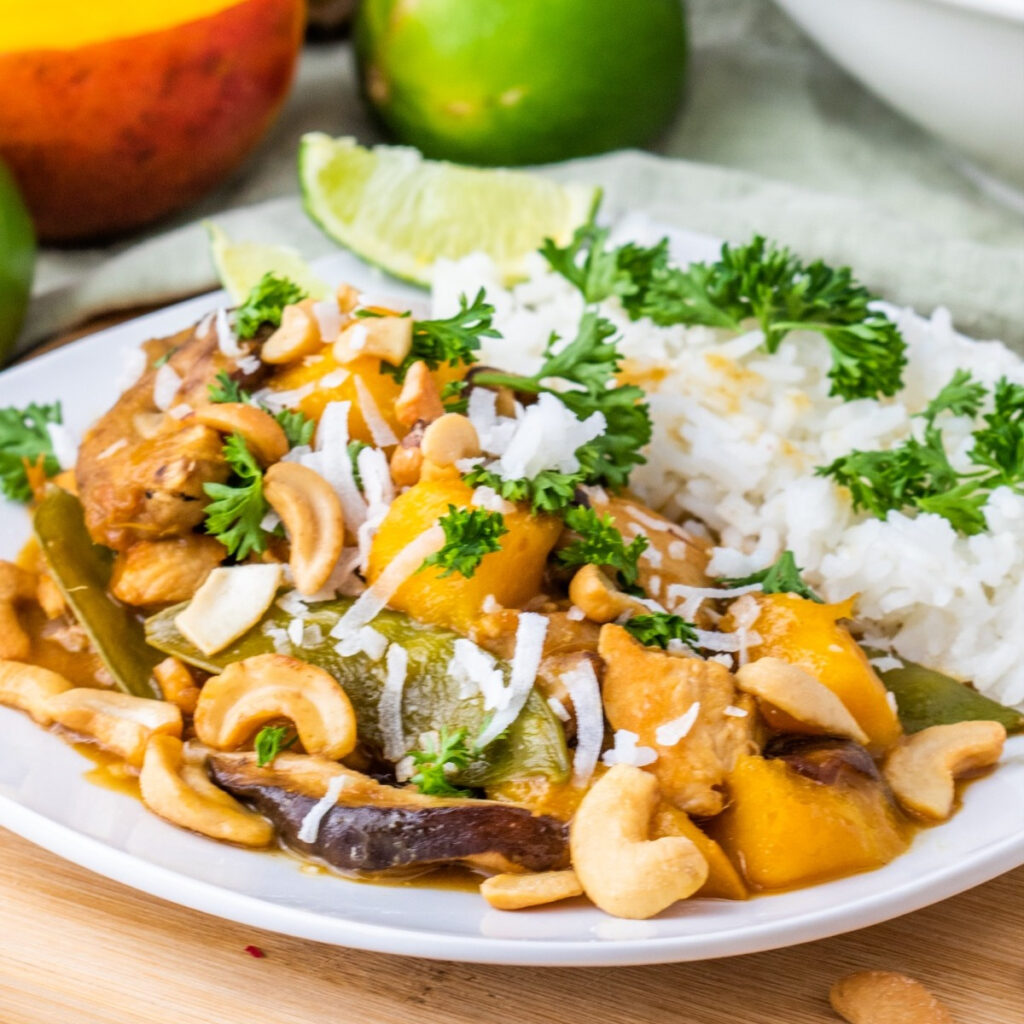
<point x="899" y="259"/>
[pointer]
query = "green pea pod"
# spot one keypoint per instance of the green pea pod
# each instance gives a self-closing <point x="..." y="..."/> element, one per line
<point x="925" y="697"/>
<point x="82" y="571"/>
<point x="533" y="745"/>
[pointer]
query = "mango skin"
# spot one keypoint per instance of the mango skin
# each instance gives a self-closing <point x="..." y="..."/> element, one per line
<point x="512" y="575"/>
<point x="109" y="136"/>
<point x="783" y="830"/>
<point x="808" y="634"/>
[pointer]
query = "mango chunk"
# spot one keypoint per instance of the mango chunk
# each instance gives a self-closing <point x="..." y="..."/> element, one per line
<point x="784" y="830"/>
<point x="511" y="576"/>
<point x="808" y="634"/>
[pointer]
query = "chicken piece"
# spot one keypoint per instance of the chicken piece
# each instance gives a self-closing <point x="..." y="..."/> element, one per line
<point x="673" y="555"/>
<point x="646" y="689"/>
<point x="140" y="472"/>
<point x="163" y="571"/>
<point x="373" y="827"/>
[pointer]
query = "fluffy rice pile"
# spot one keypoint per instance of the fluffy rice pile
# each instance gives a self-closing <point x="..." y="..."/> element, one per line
<point x="738" y="434"/>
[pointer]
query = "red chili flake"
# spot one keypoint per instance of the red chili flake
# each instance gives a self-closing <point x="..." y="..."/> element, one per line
<point x="255" y="951"/>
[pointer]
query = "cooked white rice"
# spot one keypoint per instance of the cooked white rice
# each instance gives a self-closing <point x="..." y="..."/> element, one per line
<point x="738" y="434"/>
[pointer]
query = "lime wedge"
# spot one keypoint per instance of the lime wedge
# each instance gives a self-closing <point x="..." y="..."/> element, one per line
<point x="240" y="265"/>
<point x="401" y="212"/>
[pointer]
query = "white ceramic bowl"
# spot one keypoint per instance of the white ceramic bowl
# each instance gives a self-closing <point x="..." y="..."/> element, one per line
<point x="956" y="67"/>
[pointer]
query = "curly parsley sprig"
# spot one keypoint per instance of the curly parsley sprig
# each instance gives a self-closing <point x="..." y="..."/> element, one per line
<point x="783" y="576"/>
<point x="236" y="511"/>
<point x="918" y="474"/>
<point x="451" y="341"/>
<point x="659" y="628"/>
<point x="24" y="442"/>
<point x="450" y="755"/>
<point x="270" y="741"/>
<point x="600" y="543"/>
<point x="759" y="281"/>
<point x="469" y="535"/>
<point x="265" y="303"/>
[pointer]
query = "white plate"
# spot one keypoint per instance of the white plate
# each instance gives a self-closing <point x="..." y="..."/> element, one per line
<point x="44" y="797"/>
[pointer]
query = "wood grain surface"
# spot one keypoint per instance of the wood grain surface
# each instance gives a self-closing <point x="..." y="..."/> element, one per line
<point x="76" y="948"/>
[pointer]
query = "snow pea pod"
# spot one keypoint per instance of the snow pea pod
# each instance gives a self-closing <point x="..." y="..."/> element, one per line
<point x="925" y="697"/>
<point x="82" y="571"/>
<point x="533" y="745"/>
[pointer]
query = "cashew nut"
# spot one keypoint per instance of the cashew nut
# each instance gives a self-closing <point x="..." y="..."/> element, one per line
<point x="177" y="684"/>
<point x="796" y="692"/>
<point x="118" y="722"/>
<point x="514" y="892"/>
<point x="877" y="997"/>
<point x="16" y="584"/>
<point x="623" y="871"/>
<point x="49" y="596"/>
<point x="312" y="516"/>
<point x="419" y="398"/>
<point x="386" y="337"/>
<point x="448" y="439"/>
<point x="254" y="691"/>
<point x="298" y="335"/>
<point x="347" y="296"/>
<point x="176" y="786"/>
<point x="262" y="433"/>
<point x="598" y="598"/>
<point x="406" y="465"/>
<point x="29" y="688"/>
<point x="923" y="769"/>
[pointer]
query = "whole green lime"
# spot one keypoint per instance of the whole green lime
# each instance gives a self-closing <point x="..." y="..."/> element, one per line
<point x="17" y="260"/>
<point x="522" y="81"/>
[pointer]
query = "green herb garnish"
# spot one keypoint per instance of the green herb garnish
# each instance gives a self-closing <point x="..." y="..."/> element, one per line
<point x="24" y="442"/>
<point x="600" y="543"/>
<point x="452" y="340"/>
<point x="297" y="426"/>
<point x="236" y="513"/>
<point x="469" y="534"/>
<point x="453" y="396"/>
<point x="918" y="473"/>
<point x="265" y="304"/>
<point x="759" y="281"/>
<point x="450" y="756"/>
<point x="270" y="741"/>
<point x="224" y="389"/>
<point x="782" y="577"/>
<point x="658" y="628"/>
<point x="353" y="448"/>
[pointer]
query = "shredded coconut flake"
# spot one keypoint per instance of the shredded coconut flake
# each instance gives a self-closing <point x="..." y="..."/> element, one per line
<point x="328" y="318"/>
<point x="112" y="449"/>
<point x="734" y="712"/>
<point x="226" y="340"/>
<point x="670" y="733"/>
<point x="575" y="614"/>
<point x="488" y="498"/>
<point x="310" y="827"/>
<point x="389" y="709"/>
<point x="334" y="379"/>
<point x="180" y="411"/>
<point x="625" y="751"/>
<point x="530" y="633"/>
<point x="582" y="686"/>
<point x="133" y="366"/>
<point x="891" y="700"/>
<point x="476" y="671"/>
<point x="558" y="709"/>
<point x="165" y="386"/>
<point x="374" y="599"/>
<point x="381" y="432"/>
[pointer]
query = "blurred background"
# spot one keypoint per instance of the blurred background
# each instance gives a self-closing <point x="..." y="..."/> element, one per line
<point x="120" y="122"/>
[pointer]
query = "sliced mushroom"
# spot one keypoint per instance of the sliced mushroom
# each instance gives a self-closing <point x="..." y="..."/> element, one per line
<point x="174" y="784"/>
<point x="118" y="722"/>
<point x="372" y="827"/>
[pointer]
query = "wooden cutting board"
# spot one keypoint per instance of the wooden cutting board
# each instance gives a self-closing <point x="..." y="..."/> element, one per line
<point x="78" y="949"/>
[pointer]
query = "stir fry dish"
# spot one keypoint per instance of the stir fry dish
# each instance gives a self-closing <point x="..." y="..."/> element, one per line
<point x="322" y="580"/>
